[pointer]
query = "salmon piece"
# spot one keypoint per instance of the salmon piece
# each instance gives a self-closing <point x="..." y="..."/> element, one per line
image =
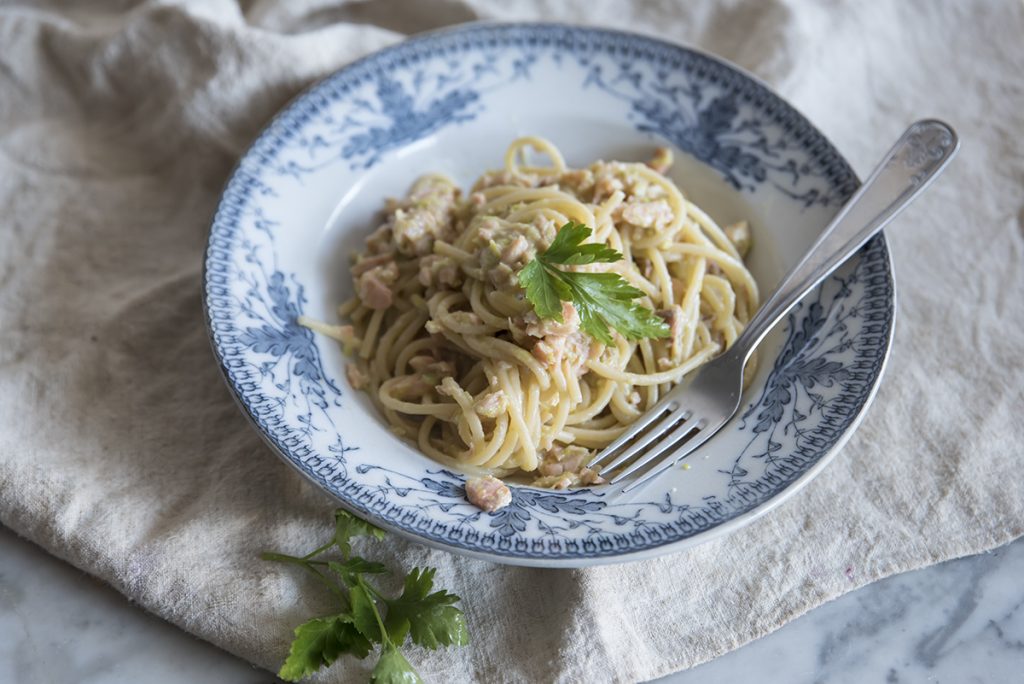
<point x="491" y="404"/>
<point x="374" y="286"/>
<point x="648" y="214"/>
<point x="424" y="216"/>
<point x="439" y="271"/>
<point x="514" y="250"/>
<point x="549" y="327"/>
<point x="488" y="493"/>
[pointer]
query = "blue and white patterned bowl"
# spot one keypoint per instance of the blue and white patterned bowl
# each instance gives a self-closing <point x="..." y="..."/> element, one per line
<point x="307" y="191"/>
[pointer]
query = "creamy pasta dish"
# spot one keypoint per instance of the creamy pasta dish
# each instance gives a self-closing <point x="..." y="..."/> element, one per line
<point x="515" y="329"/>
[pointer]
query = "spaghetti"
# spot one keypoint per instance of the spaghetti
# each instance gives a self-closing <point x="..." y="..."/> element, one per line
<point x="453" y="355"/>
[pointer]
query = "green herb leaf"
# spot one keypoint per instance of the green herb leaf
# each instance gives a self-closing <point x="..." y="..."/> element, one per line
<point x="348" y="570"/>
<point x="602" y="300"/>
<point x="393" y="668"/>
<point x="364" y="614"/>
<point x="319" y="642"/>
<point x="431" y="619"/>
<point x="544" y="290"/>
<point x="568" y="248"/>
<point x="347" y="526"/>
<point x="606" y="299"/>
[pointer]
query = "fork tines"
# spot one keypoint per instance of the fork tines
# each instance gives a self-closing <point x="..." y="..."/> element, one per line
<point x="660" y="430"/>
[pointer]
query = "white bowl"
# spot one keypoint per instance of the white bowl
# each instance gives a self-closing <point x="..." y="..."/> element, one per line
<point x="306" y="193"/>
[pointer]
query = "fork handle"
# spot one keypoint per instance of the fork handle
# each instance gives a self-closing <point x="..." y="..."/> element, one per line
<point x="920" y="154"/>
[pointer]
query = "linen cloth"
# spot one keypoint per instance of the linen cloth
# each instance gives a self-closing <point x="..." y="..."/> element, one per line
<point x="122" y="451"/>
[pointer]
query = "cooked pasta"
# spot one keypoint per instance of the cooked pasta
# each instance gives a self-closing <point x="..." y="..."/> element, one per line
<point x="454" y="356"/>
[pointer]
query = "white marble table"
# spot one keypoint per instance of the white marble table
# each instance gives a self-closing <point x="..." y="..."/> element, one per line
<point x="960" y="622"/>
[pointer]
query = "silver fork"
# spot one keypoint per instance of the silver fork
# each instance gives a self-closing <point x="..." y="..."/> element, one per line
<point x="704" y="405"/>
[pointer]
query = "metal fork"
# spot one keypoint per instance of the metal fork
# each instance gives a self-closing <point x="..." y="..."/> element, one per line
<point x="690" y="414"/>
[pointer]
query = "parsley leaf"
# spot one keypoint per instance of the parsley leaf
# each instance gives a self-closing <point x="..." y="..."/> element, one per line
<point x="347" y="526"/>
<point x="602" y="300"/>
<point x="393" y="668"/>
<point x="319" y="642"/>
<point x="364" y="613"/>
<point x="430" y="618"/>
<point x="568" y="248"/>
<point x="606" y="299"/>
<point x="544" y="291"/>
<point x="348" y="570"/>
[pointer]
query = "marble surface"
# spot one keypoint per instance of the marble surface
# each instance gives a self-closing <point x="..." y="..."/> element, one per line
<point x="958" y="622"/>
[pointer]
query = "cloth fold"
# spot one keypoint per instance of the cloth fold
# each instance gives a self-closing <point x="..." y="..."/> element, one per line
<point x="122" y="452"/>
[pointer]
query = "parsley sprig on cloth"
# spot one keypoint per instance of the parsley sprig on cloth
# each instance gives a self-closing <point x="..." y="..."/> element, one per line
<point x="366" y="618"/>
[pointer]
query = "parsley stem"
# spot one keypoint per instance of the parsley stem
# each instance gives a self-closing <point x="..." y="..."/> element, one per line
<point x="309" y="566"/>
<point x="297" y="560"/>
<point x="283" y="558"/>
<point x="376" y="613"/>
<point x="338" y="593"/>
<point x="317" y="552"/>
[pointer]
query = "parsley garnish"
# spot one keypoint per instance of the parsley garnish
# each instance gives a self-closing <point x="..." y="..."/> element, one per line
<point x="430" y="618"/>
<point x="602" y="300"/>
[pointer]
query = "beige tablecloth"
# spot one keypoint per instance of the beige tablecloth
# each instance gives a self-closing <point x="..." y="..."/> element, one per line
<point x="121" y="449"/>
